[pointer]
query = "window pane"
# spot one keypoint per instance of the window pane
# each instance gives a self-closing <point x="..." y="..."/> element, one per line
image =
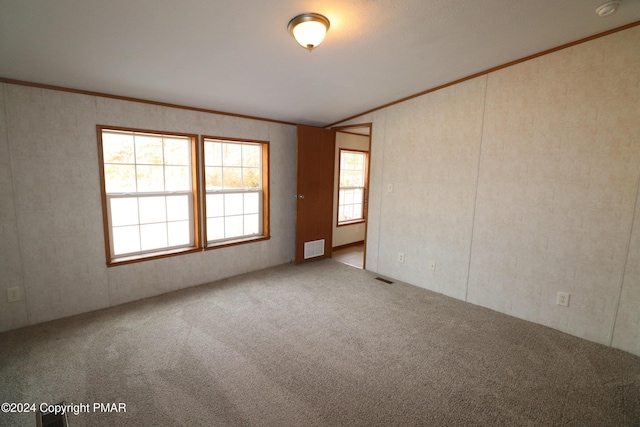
<point x="352" y="169"/>
<point x="348" y="212"/>
<point x="215" y="205"/>
<point x="179" y="233"/>
<point x="351" y="178"/>
<point x="124" y="211"/>
<point x="150" y="178"/>
<point x="212" y="153"/>
<point x="358" y="195"/>
<point x="153" y="236"/>
<point x="251" y="224"/>
<point x="176" y="151"/>
<point x="357" y="211"/>
<point x="346" y="178"/>
<point x="232" y="178"/>
<point x="126" y="240"/>
<point x="177" y="178"/>
<point x="348" y="197"/>
<point x="177" y="208"/>
<point x="232" y="154"/>
<point x="251" y="203"/>
<point x="213" y="178"/>
<point x="215" y="228"/>
<point x="148" y="149"/>
<point x="119" y="178"/>
<point x="251" y="155"/>
<point x="152" y="209"/>
<point x="117" y="148"/>
<point x="358" y="179"/>
<point x="233" y="204"/>
<point x="251" y="178"/>
<point x="233" y="226"/>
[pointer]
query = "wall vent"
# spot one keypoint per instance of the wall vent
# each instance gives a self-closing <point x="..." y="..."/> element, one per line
<point x="313" y="249"/>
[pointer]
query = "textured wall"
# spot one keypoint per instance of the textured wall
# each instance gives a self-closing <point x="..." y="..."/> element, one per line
<point x="558" y="150"/>
<point x="431" y="159"/>
<point x="53" y="243"/>
<point x="520" y="184"/>
<point x="626" y="334"/>
<point x="12" y="315"/>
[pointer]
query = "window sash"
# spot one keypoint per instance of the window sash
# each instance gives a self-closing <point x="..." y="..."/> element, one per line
<point x="226" y="169"/>
<point x="139" y="224"/>
<point x="243" y="214"/>
<point x="356" y="172"/>
<point x="342" y="205"/>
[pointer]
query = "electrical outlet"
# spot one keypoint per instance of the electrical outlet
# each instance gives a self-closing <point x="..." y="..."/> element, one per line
<point x="400" y="257"/>
<point x="563" y="299"/>
<point x="389" y="188"/>
<point x="13" y="294"/>
<point x="432" y="265"/>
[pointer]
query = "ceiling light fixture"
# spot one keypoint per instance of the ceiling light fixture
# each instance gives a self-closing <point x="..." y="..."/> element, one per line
<point x="309" y="29"/>
<point x="608" y="8"/>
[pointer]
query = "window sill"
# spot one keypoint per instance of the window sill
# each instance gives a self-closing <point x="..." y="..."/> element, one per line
<point x="151" y="256"/>
<point x="354" y="222"/>
<point x="236" y="242"/>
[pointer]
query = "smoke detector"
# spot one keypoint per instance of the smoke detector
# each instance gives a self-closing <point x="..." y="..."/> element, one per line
<point x="608" y="8"/>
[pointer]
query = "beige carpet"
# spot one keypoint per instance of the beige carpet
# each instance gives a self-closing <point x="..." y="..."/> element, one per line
<point x="321" y="344"/>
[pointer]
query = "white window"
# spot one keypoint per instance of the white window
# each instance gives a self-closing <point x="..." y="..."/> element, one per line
<point x="351" y="196"/>
<point x="236" y="185"/>
<point x="150" y="193"/>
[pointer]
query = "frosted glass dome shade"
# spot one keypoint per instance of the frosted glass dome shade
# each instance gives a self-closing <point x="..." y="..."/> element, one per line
<point x="309" y="29"/>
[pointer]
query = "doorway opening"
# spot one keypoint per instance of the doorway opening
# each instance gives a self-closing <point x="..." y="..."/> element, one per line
<point x="351" y="194"/>
<point x="352" y="255"/>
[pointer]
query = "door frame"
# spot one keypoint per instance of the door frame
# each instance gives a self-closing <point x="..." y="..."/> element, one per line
<point x="363" y="129"/>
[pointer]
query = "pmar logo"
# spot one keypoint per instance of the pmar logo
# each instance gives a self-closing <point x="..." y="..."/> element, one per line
<point x="110" y="407"/>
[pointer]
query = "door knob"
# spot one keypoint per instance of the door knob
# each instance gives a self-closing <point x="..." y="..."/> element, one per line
<point x="300" y="196"/>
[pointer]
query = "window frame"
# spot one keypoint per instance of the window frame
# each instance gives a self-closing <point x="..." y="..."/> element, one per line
<point x="193" y="193"/>
<point x="364" y="187"/>
<point x="264" y="208"/>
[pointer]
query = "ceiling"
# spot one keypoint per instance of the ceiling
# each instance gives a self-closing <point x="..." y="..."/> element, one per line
<point x="236" y="56"/>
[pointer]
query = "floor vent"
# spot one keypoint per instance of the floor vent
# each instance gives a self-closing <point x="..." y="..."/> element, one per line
<point x="51" y="419"/>
<point x="388" y="282"/>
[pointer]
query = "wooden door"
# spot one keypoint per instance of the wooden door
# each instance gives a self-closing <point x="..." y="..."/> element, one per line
<point x="314" y="205"/>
